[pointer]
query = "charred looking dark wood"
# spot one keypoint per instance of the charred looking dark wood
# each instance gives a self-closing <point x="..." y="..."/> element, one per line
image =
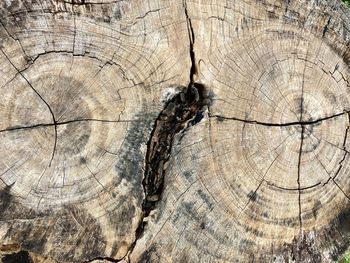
<point x="183" y="110"/>
<point x="21" y="256"/>
<point x="185" y="106"/>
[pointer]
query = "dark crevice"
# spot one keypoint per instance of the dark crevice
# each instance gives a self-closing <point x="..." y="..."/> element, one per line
<point x="346" y="133"/>
<point x="40" y="125"/>
<point x="86" y="3"/>
<point x="326" y="27"/>
<point x="85" y="54"/>
<point x="19" y="257"/>
<point x="173" y="119"/>
<point x="193" y="70"/>
<point x="178" y="112"/>
<point x="109" y="259"/>
<point x="147" y="13"/>
<point x="54" y="146"/>
<point x="309" y="122"/>
<point x="299" y="166"/>
<point x="287" y="5"/>
<point x="291" y="188"/>
<point x="75" y="30"/>
<point x="301" y="147"/>
<point x="15" y="128"/>
<point x="184" y="110"/>
<point x="340" y="166"/>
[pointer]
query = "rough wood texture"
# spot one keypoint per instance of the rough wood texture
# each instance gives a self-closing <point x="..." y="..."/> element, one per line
<point x="174" y="131"/>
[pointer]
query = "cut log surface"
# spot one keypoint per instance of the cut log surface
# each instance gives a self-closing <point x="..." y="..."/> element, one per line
<point x="174" y="131"/>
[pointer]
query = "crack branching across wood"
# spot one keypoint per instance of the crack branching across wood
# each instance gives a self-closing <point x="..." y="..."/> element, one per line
<point x="286" y="124"/>
<point x="298" y="180"/>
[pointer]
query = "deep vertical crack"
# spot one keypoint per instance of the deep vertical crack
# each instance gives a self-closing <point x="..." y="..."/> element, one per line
<point x="301" y="143"/>
<point x="183" y="110"/>
<point x="298" y="180"/>
<point x="191" y="37"/>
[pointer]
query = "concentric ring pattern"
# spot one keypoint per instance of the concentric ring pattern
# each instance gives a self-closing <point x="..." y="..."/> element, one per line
<point x="262" y="174"/>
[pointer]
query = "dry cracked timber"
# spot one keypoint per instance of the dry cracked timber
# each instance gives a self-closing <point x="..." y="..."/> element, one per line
<point x="174" y="131"/>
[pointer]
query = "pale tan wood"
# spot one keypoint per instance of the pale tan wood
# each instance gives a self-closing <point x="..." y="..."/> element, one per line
<point x="81" y="85"/>
<point x="89" y="89"/>
<point x="240" y="187"/>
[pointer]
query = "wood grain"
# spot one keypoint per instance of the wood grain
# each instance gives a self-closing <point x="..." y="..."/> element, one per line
<point x="174" y="131"/>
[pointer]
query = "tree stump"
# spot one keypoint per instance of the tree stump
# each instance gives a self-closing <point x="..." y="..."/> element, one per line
<point x="174" y="131"/>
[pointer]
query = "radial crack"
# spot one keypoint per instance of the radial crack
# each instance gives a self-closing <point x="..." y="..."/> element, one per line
<point x="15" y="128"/>
<point x="286" y="124"/>
<point x="298" y="180"/>
<point x="54" y="146"/>
<point x="191" y="37"/>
